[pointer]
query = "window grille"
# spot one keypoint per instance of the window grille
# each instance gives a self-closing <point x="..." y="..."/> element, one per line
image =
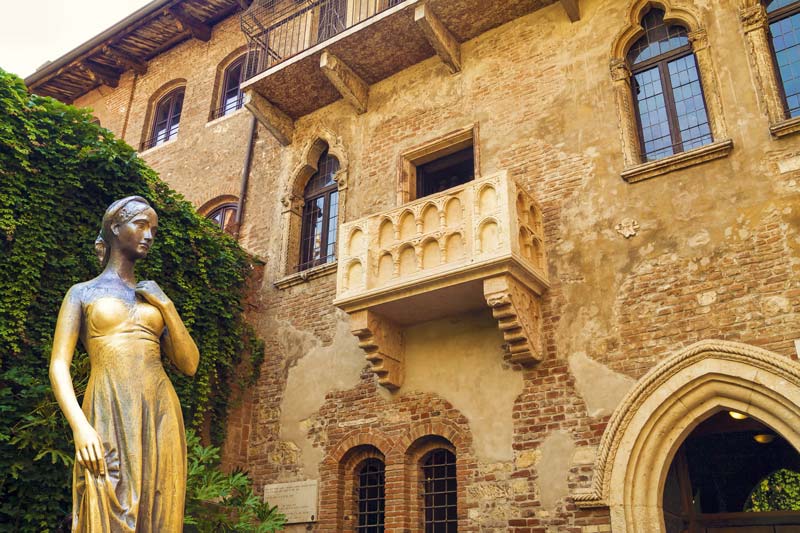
<point x="667" y="91"/>
<point x="371" y="496"/>
<point x="440" y="506"/>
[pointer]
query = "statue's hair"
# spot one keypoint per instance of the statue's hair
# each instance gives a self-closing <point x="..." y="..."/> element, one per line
<point x="119" y="212"/>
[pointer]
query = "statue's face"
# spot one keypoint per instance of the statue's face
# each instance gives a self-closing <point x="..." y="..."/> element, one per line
<point x="135" y="236"/>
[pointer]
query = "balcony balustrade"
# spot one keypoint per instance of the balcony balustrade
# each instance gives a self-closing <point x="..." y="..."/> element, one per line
<point x="468" y="247"/>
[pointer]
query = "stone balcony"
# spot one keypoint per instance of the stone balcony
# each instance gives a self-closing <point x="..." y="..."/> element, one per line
<point x="480" y="244"/>
<point x="302" y="64"/>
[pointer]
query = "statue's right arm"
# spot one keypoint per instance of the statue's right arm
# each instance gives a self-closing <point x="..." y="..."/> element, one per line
<point x="88" y="447"/>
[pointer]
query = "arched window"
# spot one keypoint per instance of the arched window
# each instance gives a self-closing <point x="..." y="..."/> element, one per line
<point x="166" y="118"/>
<point x="370" y="495"/>
<point x="440" y="509"/>
<point x="231" y="96"/>
<point x="667" y="92"/>
<point x="320" y="215"/>
<point x="784" y="29"/>
<point x="223" y="215"/>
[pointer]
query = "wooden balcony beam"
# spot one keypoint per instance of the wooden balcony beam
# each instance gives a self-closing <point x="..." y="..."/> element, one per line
<point x="103" y="74"/>
<point x="572" y="9"/>
<point x="439" y="37"/>
<point x="279" y="124"/>
<point x="126" y="60"/>
<point x="186" y="22"/>
<point x="352" y="88"/>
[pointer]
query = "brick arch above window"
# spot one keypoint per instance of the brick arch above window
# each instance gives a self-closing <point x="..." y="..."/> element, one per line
<point x="675" y="13"/>
<point x="755" y="22"/>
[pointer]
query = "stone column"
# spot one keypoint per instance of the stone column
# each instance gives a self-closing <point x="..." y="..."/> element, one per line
<point x="621" y="76"/>
<point x="755" y="26"/>
<point x="708" y="78"/>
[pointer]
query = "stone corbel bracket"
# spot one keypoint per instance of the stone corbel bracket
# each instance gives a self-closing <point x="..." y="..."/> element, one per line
<point x="518" y="313"/>
<point x="382" y="340"/>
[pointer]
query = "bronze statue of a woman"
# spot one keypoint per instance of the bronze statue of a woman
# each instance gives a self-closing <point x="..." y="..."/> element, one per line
<point x="130" y="448"/>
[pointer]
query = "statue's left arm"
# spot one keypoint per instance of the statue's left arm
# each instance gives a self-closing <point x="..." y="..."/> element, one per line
<point x="176" y="341"/>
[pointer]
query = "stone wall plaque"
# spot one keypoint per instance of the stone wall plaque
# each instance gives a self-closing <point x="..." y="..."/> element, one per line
<point x="297" y="500"/>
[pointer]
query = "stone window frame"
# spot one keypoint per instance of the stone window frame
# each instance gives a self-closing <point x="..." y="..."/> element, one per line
<point x="292" y="207"/>
<point x="634" y="167"/>
<point x="431" y="150"/>
<point x="219" y="82"/>
<point x="754" y="21"/>
<point x="152" y="105"/>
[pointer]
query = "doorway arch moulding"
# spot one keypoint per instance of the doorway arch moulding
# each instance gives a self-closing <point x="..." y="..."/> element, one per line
<point x="667" y="403"/>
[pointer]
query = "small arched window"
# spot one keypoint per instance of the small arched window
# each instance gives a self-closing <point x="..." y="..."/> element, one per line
<point x="320" y="215"/>
<point x="223" y="215"/>
<point x="439" y="491"/>
<point x="166" y="119"/>
<point x="370" y="495"/>
<point x="667" y="92"/>
<point x="231" y="96"/>
<point x="784" y="29"/>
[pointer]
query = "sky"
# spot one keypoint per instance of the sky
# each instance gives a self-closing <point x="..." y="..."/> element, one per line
<point x="35" y="31"/>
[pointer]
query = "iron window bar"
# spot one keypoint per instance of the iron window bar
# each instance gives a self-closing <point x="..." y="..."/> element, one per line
<point x="371" y="496"/>
<point x="228" y="107"/>
<point x="440" y="507"/>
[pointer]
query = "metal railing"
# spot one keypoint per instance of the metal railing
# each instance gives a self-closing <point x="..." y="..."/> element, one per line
<point x="279" y="29"/>
<point x="229" y="106"/>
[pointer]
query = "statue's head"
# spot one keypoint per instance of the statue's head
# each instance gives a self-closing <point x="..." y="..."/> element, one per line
<point x="130" y="225"/>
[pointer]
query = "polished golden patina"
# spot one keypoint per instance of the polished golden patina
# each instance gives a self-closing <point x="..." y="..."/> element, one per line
<point x="130" y="469"/>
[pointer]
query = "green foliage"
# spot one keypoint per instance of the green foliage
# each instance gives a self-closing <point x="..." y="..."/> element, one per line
<point x="779" y="491"/>
<point x="58" y="173"/>
<point x="217" y="502"/>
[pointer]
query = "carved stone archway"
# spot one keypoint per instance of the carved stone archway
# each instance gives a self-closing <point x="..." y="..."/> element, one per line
<point x="652" y="421"/>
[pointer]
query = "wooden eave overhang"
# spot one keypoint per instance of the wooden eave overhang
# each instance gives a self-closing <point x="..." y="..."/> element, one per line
<point x="129" y="45"/>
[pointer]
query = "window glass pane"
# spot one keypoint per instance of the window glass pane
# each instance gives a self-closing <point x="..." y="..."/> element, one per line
<point x="313" y="216"/>
<point x="689" y="105"/>
<point x="658" y="38"/>
<point x="653" y="119"/>
<point x="786" y="42"/>
<point x="775" y="5"/>
<point x="231" y="97"/>
<point x="333" y="218"/>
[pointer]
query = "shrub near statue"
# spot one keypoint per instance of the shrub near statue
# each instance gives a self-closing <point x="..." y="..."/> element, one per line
<point x="130" y="471"/>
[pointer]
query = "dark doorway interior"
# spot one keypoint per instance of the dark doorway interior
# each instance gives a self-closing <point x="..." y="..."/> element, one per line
<point x="718" y="468"/>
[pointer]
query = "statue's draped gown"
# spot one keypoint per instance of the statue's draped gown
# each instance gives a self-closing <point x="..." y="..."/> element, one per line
<point x="134" y="409"/>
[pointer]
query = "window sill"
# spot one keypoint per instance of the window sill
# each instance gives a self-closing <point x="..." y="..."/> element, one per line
<point x="301" y="277"/>
<point x="785" y="127"/>
<point x="223" y="118"/>
<point x="158" y="146"/>
<point x="652" y="169"/>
